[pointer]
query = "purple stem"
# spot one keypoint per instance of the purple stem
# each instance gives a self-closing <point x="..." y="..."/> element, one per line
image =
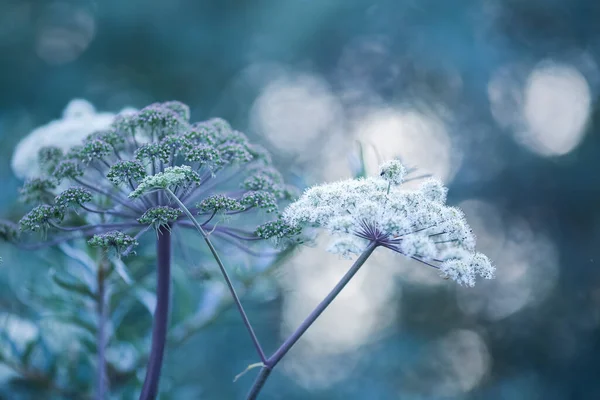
<point x="101" y="311"/>
<point x="161" y="315"/>
<point x="236" y="299"/>
<point x="297" y="334"/>
<point x="213" y="251"/>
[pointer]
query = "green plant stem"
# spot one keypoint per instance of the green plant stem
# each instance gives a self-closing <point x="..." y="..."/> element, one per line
<point x="297" y="334"/>
<point x="236" y="298"/>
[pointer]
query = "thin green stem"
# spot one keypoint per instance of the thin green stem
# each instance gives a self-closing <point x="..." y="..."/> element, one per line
<point x="236" y="299"/>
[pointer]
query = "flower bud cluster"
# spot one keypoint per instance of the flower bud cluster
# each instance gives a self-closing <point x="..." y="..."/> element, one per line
<point x="170" y="177"/>
<point x="159" y="216"/>
<point x="116" y="240"/>
<point x="37" y="190"/>
<point x="73" y="197"/>
<point x="40" y="217"/>
<point x="124" y="169"/>
<point x="219" y="203"/>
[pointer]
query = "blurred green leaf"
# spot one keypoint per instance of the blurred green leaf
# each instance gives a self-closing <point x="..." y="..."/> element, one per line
<point x="28" y="351"/>
<point x="72" y="286"/>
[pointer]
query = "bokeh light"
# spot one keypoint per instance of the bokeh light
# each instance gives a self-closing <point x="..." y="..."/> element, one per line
<point x="450" y="366"/>
<point x="296" y="112"/>
<point x="64" y="31"/>
<point x="526" y="260"/>
<point x="363" y="309"/>
<point x="418" y="139"/>
<point x="547" y="112"/>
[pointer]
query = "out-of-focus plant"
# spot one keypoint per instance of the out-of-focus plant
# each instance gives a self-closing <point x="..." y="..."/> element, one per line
<point x="149" y="170"/>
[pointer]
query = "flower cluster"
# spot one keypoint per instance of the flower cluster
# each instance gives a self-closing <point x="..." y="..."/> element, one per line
<point x="415" y="223"/>
<point x="116" y="240"/>
<point x="79" y="120"/>
<point x="113" y="180"/>
<point x="170" y="177"/>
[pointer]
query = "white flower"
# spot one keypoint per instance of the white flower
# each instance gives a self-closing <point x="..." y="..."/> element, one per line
<point x="393" y="171"/>
<point x="464" y="270"/>
<point x="418" y="245"/>
<point x="434" y="190"/>
<point x="417" y="224"/>
<point x="78" y="121"/>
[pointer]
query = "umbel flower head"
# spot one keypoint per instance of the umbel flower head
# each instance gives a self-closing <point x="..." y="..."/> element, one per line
<point x="415" y="223"/>
<point x="110" y="186"/>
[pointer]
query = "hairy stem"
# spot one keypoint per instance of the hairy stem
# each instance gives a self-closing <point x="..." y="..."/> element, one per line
<point x="161" y="315"/>
<point x="236" y="299"/>
<point x="297" y="334"/>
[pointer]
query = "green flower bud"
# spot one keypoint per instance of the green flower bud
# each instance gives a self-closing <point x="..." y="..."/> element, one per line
<point x="49" y="157"/>
<point x="67" y="170"/>
<point x="159" y="216"/>
<point x="110" y="137"/>
<point x="94" y="150"/>
<point x="260" y="154"/>
<point x="182" y="110"/>
<point x="39" y="218"/>
<point x="172" y="176"/>
<point x="73" y="197"/>
<point x="267" y="179"/>
<point x="260" y="199"/>
<point x="203" y="154"/>
<point x="159" y="119"/>
<point x="278" y="229"/>
<point x="123" y="171"/>
<point x="116" y="240"/>
<point x="152" y="152"/>
<point x="37" y="190"/>
<point x="234" y="153"/>
<point x="219" y="203"/>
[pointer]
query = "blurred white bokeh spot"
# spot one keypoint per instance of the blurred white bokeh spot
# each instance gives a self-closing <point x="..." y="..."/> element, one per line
<point x="556" y="107"/>
<point x="546" y="111"/>
<point x="64" y="32"/>
<point x="363" y="309"/>
<point x="314" y="369"/>
<point x="294" y="110"/>
<point x="79" y="120"/>
<point x="450" y="366"/>
<point x="17" y="330"/>
<point x="418" y="139"/>
<point x="526" y="264"/>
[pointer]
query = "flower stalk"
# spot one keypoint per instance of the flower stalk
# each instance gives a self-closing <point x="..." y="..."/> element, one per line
<point x="161" y="315"/>
<point x="312" y="317"/>
<point x="232" y="290"/>
<point x="101" y="311"/>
